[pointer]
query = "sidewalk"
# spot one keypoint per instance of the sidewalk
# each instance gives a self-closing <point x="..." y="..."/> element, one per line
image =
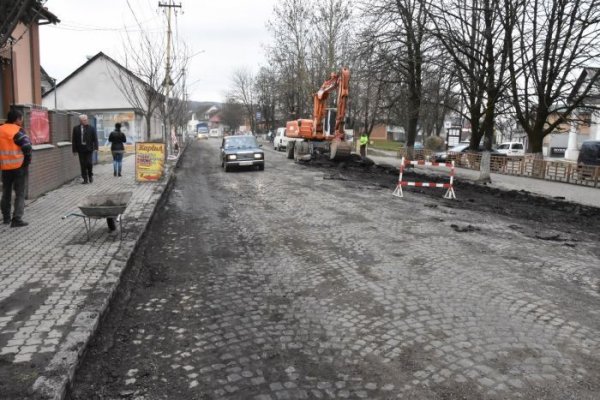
<point x="55" y="285"/>
<point x="585" y="195"/>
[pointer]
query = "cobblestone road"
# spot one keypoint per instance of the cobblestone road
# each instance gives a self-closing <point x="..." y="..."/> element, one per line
<point x="284" y="284"/>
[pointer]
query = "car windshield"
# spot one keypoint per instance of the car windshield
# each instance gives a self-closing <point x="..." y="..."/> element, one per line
<point x="240" y="142"/>
<point x="503" y="147"/>
<point x="458" y="149"/>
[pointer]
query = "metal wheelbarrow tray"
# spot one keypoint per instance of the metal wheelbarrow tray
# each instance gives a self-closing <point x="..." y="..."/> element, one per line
<point x="110" y="206"/>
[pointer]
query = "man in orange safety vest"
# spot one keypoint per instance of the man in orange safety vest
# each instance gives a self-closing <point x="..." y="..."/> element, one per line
<point x="15" y="156"/>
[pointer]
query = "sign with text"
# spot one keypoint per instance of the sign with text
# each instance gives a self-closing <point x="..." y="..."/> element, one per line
<point x="149" y="161"/>
<point x="39" y="127"/>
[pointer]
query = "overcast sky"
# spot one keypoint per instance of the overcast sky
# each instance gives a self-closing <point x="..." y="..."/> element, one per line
<point x="226" y="34"/>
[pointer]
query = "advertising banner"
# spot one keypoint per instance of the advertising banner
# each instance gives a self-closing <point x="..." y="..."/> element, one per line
<point x="39" y="127"/>
<point x="149" y="161"/>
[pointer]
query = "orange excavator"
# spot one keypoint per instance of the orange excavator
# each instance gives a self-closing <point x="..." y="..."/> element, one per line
<point x="307" y="135"/>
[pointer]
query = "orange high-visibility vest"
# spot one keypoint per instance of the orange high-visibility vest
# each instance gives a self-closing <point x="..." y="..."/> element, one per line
<point x="11" y="155"/>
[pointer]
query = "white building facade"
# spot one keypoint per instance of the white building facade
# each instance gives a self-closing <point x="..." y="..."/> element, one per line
<point x="93" y="89"/>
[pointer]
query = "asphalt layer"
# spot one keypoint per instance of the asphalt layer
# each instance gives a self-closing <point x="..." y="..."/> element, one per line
<point x="313" y="281"/>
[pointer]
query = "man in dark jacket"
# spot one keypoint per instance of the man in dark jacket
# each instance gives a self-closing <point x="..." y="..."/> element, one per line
<point x="15" y="156"/>
<point x="85" y="142"/>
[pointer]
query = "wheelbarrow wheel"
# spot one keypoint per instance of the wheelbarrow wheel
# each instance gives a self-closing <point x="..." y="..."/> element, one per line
<point x="112" y="225"/>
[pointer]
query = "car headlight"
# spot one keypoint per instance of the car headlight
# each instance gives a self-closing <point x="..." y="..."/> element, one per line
<point x="232" y="157"/>
<point x="258" y="156"/>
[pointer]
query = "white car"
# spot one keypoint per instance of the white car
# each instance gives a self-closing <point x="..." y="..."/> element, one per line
<point x="214" y="133"/>
<point x="511" y="149"/>
<point x="280" y="140"/>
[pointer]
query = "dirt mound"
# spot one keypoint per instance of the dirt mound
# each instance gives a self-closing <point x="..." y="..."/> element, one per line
<point x="515" y="203"/>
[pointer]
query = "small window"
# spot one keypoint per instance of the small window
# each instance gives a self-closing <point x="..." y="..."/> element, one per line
<point x="503" y="147"/>
<point x="517" y="146"/>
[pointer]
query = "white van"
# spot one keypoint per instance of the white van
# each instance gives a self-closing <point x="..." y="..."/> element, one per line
<point x="511" y="148"/>
<point x="280" y="141"/>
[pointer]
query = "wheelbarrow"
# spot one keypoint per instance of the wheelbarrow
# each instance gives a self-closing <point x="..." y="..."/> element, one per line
<point x="103" y="206"/>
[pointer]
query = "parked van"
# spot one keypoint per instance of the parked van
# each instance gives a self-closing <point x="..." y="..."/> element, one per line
<point x="511" y="149"/>
<point x="279" y="141"/>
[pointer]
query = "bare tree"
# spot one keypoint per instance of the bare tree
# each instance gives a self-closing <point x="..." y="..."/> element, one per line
<point x="477" y="35"/>
<point x="330" y="33"/>
<point x="231" y="115"/>
<point x="553" y="40"/>
<point x="266" y="98"/>
<point x="141" y="80"/>
<point x="291" y="30"/>
<point x="400" y="34"/>
<point x="368" y="88"/>
<point x="439" y="99"/>
<point x="243" y="92"/>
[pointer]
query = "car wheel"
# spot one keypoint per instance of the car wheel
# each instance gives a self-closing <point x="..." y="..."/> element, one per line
<point x="227" y="168"/>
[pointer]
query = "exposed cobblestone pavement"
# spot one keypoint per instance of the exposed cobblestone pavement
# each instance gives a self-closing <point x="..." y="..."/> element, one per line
<point x="54" y="283"/>
<point x="284" y="284"/>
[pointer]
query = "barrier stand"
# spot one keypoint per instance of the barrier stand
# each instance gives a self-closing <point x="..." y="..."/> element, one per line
<point x="450" y="186"/>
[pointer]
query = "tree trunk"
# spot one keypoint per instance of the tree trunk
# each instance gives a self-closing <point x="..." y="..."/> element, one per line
<point x="484" y="168"/>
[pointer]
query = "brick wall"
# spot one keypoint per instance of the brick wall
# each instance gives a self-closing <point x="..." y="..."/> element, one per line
<point x="379" y="132"/>
<point x="54" y="164"/>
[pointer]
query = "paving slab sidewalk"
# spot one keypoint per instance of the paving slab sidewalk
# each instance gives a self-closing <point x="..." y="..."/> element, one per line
<point x="584" y="195"/>
<point x="55" y="284"/>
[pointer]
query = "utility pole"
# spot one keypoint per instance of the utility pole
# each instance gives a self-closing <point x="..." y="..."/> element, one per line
<point x="170" y="5"/>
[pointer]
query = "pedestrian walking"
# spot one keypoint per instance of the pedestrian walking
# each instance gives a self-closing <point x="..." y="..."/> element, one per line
<point x="15" y="157"/>
<point x="85" y="142"/>
<point x="117" y="141"/>
<point x="364" y="139"/>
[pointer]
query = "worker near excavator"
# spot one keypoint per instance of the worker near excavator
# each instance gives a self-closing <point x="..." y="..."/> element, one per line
<point x="364" y="139"/>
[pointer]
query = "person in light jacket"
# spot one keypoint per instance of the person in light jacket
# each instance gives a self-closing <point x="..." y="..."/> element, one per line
<point x="117" y="141"/>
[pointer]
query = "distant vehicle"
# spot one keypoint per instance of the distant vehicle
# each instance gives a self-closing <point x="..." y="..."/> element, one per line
<point x="241" y="151"/>
<point x="202" y="136"/>
<point x="202" y="127"/>
<point x="279" y="140"/>
<point x="442" y="156"/>
<point x="214" y="133"/>
<point x="589" y="158"/>
<point x="511" y="149"/>
<point x="453" y="153"/>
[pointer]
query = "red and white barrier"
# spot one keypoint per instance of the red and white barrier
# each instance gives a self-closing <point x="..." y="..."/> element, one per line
<point x="450" y="186"/>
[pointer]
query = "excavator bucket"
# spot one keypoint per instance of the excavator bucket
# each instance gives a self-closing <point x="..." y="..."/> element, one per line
<point x="340" y="150"/>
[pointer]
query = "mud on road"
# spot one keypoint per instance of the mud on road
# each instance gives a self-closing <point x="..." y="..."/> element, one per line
<point x="312" y="281"/>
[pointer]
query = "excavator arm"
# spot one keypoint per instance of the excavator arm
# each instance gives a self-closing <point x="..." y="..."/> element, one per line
<point x="339" y="81"/>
